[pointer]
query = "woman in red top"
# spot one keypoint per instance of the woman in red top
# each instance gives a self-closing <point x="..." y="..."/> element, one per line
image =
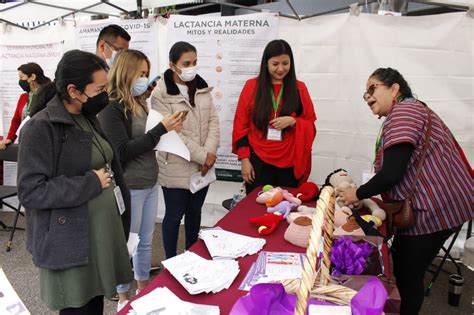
<point x="274" y="125"/>
<point x="31" y="78"/>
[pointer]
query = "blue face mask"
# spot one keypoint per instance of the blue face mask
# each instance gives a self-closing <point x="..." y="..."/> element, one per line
<point x="140" y="86"/>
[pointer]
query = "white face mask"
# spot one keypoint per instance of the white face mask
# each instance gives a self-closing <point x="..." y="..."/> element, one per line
<point x="140" y="86"/>
<point x="187" y="74"/>
<point x="110" y="60"/>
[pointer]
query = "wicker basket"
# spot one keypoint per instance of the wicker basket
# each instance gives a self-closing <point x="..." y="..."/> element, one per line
<point x="317" y="284"/>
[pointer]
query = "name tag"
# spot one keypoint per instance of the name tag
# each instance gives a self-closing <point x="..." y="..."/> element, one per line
<point x="274" y="134"/>
<point x="119" y="199"/>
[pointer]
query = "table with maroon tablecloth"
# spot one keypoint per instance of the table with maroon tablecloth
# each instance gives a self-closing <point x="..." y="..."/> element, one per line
<point x="237" y="221"/>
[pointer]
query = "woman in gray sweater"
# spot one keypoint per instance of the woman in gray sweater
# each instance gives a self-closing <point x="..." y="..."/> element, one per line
<point x="124" y="122"/>
<point x="69" y="181"/>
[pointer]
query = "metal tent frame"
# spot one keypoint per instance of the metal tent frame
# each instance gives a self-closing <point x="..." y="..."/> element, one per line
<point x="207" y="3"/>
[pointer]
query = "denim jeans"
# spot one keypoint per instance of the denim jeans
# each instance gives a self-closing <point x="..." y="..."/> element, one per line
<point x="144" y="210"/>
<point x="181" y="202"/>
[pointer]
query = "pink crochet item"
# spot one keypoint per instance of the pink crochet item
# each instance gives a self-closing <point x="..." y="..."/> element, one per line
<point x="298" y="232"/>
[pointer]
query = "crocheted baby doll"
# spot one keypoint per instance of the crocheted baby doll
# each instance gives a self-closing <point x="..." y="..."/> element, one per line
<point x="307" y="191"/>
<point x="283" y="208"/>
<point x="341" y="179"/>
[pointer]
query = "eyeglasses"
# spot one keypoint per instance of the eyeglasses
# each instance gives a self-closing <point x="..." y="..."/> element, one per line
<point x="117" y="49"/>
<point x="370" y="91"/>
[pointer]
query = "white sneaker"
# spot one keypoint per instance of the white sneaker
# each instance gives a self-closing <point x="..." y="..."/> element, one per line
<point x="137" y="291"/>
<point x="121" y="305"/>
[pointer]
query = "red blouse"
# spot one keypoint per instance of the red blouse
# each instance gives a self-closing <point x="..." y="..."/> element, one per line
<point x="16" y="120"/>
<point x="295" y="148"/>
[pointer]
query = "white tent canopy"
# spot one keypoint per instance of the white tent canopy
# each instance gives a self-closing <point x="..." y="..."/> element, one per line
<point x="19" y="12"/>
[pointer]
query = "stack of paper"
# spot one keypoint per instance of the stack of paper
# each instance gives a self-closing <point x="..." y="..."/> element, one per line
<point x="169" y="142"/>
<point x="198" y="275"/>
<point x="222" y="244"/>
<point x="329" y="310"/>
<point x="273" y="267"/>
<point x="10" y="303"/>
<point x="163" y="302"/>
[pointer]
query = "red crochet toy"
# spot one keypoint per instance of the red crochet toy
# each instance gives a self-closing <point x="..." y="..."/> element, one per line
<point x="267" y="223"/>
<point x="307" y="191"/>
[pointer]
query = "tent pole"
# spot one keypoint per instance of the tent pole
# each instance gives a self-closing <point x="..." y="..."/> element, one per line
<point x="14" y="6"/>
<point x="442" y="4"/>
<point x="13" y="24"/>
<point x="70" y="9"/>
<point x="199" y="6"/>
<point x="68" y="14"/>
<point x="115" y="6"/>
<point x="336" y="10"/>
<point x="238" y="6"/>
<point x="139" y="8"/>
<point x="293" y="9"/>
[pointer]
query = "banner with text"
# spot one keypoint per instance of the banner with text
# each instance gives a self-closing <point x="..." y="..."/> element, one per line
<point x="13" y="56"/>
<point x="143" y="33"/>
<point x="229" y="52"/>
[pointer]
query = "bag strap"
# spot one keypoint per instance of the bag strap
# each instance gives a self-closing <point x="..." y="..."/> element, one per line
<point x="423" y="152"/>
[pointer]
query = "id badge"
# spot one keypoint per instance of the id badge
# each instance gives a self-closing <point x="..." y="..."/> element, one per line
<point x="119" y="199"/>
<point x="274" y="134"/>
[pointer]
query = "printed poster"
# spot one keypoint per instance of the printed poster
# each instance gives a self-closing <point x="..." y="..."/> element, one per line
<point x="229" y="53"/>
<point x="13" y="56"/>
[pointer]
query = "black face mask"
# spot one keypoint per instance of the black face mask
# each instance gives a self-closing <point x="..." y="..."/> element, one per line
<point x="95" y="104"/>
<point x="25" y="86"/>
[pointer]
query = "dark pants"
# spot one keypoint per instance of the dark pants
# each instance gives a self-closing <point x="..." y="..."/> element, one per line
<point x="269" y="174"/>
<point x="94" y="307"/>
<point x="412" y="255"/>
<point x="181" y="202"/>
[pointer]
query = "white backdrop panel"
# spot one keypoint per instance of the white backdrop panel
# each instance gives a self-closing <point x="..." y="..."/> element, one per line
<point x="335" y="54"/>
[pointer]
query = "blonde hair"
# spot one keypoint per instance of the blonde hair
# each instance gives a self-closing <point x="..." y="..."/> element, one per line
<point x="125" y="69"/>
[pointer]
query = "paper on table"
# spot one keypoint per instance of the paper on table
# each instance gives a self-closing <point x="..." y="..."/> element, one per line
<point x="132" y="244"/>
<point x="164" y="302"/>
<point x="10" y="303"/>
<point x="329" y="310"/>
<point x="169" y="142"/>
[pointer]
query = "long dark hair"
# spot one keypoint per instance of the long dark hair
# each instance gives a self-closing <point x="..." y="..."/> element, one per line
<point x="176" y="51"/>
<point x="391" y="76"/>
<point x="291" y="102"/>
<point x="75" y="67"/>
<point x="34" y="68"/>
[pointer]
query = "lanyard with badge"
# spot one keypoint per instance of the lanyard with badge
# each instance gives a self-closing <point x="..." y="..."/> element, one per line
<point x="27" y="109"/>
<point x="108" y="169"/>
<point x="275" y="134"/>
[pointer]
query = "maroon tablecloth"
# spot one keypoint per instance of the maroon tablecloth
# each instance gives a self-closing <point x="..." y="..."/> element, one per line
<point x="235" y="221"/>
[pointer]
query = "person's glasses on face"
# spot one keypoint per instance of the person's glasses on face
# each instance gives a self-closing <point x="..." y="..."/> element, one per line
<point x="370" y="90"/>
<point x="113" y="47"/>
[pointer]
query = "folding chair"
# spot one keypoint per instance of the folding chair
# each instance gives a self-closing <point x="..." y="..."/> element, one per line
<point x="443" y="260"/>
<point x="10" y="154"/>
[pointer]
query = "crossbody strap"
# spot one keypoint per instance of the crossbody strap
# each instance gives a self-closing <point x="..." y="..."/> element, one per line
<point x="423" y="152"/>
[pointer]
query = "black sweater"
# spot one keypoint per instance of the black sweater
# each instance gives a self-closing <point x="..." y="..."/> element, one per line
<point x="395" y="162"/>
<point x="117" y="124"/>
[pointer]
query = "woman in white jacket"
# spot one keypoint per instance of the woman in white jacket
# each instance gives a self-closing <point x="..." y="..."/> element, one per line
<point x="182" y="90"/>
